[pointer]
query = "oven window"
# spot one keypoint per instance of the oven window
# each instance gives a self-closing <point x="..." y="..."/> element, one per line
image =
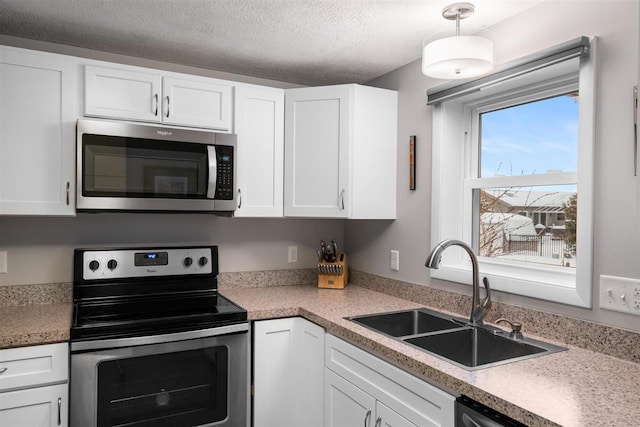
<point x="186" y="388"/>
<point x="133" y="167"/>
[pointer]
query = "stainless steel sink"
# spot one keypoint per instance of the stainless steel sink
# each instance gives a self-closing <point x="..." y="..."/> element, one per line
<point x="453" y="340"/>
<point x="409" y="322"/>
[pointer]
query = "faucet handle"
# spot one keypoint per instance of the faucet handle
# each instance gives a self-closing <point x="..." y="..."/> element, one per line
<point x="486" y="302"/>
<point x="516" y="328"/>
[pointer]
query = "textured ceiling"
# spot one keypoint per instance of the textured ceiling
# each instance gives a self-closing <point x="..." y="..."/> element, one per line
<point x="309" y="42"/>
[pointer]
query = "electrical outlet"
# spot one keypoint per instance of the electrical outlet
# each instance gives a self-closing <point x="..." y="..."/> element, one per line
<point x="293" y="254"/>
<point x="395" y="260"/>
<point x="3" y="261"/>
<point x="620" y="294"/>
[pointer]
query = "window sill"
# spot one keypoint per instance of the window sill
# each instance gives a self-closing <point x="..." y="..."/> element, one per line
<point x="546" y="283"/>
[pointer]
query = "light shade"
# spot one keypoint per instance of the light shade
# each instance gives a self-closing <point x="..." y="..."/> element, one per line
<point x="457" y="57"/>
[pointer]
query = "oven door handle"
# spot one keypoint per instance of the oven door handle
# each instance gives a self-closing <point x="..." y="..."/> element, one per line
<point x="158" y="339"/>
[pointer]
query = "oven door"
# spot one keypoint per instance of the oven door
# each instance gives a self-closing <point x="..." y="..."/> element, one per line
<point x="191" y="382"/>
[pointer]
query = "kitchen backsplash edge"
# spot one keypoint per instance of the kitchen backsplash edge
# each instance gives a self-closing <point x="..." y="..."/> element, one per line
<point x="62" y="293"/>
<point x="38" y="294"/>
<point x="617" y="342"/>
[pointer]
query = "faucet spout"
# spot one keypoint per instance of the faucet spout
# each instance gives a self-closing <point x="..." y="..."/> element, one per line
<point x="479" y="309"/>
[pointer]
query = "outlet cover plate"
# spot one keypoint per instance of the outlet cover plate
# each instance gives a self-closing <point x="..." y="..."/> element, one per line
<point x="395" y="260"/>
<point x="293" y="254"/>
<point x="3" y="261"/>
<point x="620" y="294"/>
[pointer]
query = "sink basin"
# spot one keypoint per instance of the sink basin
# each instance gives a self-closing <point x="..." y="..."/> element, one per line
<point x="409" y="322"/>
<point x="474" y="347"/>
<point x="453" y="340"/>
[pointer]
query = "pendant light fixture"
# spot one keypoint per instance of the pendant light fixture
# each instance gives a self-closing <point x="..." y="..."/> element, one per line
<point x="460" y="56"/>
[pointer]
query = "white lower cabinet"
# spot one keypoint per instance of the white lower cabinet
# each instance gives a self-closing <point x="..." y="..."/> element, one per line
<point x="363" y="390"/>
<point x="386" y="417"/>
<point x="35" y="407"/>
<point x="304" y="377"/>
<point x="34" y="386"/>
<point x="288" y="373"/>
<point x="347" y="405"/>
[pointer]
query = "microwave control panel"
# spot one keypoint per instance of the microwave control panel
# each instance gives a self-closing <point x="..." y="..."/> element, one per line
<point x="224" y="160"/>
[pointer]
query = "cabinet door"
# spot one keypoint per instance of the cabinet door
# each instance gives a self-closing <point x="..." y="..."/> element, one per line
<point x="309" y="368"/>
<point x="196" y="103"/>
<point x="259" y="125"/>
<point x="122" y="94"/>
<point x="386" y="417"/>
<point x="317" y="134"/>
<point x="35" y="407"/>
<point x="38" y="108"/>
<point x="345" y="404"/>
<point x="288" y="373"/>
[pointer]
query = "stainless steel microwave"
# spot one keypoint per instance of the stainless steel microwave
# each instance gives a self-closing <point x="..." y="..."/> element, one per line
<point x="137" y="167"/>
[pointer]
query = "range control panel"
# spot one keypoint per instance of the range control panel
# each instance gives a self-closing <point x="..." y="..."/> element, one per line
<point x="126" y="263"/>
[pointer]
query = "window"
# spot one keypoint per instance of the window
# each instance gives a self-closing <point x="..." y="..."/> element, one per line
<point x="512" y="159"/>
<point x="531" y="139"/>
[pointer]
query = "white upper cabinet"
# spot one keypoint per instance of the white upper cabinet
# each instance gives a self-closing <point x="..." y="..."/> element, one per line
<point x="130" y="93"/>
<point x="38" y="111"/>
<point x="340" y="152"/>
<point x="259" y="113"/>
<point x="122" y="94"/>
<point x="196" y="103"/>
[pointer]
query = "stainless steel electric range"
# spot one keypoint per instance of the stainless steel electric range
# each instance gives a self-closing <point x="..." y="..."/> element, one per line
<point x="153" y="343"/>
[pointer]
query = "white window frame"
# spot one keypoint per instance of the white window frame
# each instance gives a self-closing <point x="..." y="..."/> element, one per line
<point x="455" y="163"/>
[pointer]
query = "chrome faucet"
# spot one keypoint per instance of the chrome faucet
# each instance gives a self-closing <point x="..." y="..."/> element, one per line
<point x="479" y="309"/>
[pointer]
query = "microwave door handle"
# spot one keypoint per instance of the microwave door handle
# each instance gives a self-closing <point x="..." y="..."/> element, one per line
<point x="213" y="171"/>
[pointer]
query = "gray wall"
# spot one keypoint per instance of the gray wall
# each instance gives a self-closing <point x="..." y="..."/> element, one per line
<point x="617" y="191"/>
<point x="40" y="250"/>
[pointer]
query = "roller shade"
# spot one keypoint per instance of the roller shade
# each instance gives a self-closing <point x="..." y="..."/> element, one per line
<point x="577" y="48"/>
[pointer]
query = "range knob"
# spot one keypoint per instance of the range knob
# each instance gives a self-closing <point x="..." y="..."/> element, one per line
<point x="112" y="264"/>
<point x="187" y="261"/>
<point x="203" y="261"/>
<point x="94" y="265"/>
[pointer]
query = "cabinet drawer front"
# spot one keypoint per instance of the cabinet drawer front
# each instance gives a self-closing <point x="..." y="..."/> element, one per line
<point x="31" y="366"/>
<point x="37" y="407"/>
<point x="419" y="402"/>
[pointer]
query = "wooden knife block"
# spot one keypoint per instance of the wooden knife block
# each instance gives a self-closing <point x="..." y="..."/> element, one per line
<point x="333" y="275"/>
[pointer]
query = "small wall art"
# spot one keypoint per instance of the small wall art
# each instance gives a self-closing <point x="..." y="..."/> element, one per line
<point x="412" y="162"/>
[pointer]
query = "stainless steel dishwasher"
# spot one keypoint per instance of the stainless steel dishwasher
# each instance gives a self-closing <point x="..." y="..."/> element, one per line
<point x="470" y="413"/>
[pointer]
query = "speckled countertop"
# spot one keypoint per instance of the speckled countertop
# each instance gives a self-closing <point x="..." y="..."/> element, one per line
<point x="35" y="314"/>
<point x="579" y="387"/>
<point x="34" y="324"/>
<point x="572" y="388"/>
